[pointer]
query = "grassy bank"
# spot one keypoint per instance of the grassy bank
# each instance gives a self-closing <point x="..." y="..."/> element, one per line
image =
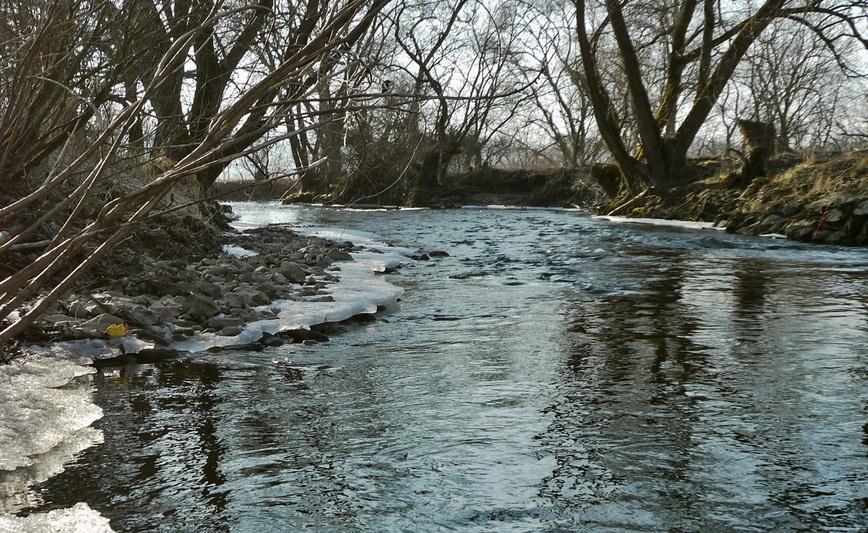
<point x="816" y="199"/>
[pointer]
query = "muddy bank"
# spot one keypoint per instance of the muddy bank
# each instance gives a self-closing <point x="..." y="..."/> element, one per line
<point x="531" y="188"/>
<point x="250" y="191"/>
<point x="817" y="200"/>
<point x="485" y="186"/>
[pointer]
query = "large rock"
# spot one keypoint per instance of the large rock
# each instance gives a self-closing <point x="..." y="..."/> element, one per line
<point x="230" y="331"/>
<point x="270" y="289"/>
<point x="259" y="298"/>
<point x="861" y="209"/>
<point x="142" y="316"/>
<point x="78" y="309"/>
<point x="338" y="255"/>
<point x="166" y="311"/>
<point x="211" y="290"/>
<point x="293" y="271"/>
<point x="237" y="300"/>
<point x="221" y="322"/>
<point x="99" y="322"/>
<point x="200" y="307"/>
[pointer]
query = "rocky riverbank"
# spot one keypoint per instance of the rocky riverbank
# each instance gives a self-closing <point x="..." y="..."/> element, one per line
<point x="821" y="200"/>
<point x="144" y="307"/>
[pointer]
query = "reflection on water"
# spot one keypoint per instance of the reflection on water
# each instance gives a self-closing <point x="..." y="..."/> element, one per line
<point x="553" y="373"/>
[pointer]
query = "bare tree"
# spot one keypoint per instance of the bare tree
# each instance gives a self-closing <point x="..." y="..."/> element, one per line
<point x="85" y="236"/>
<point x="701" y="51"/>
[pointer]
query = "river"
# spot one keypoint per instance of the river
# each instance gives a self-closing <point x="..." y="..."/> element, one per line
<point x="554" y="373"/>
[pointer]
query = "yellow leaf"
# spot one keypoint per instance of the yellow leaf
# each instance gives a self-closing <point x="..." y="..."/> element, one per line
<point x="116" y="330"/>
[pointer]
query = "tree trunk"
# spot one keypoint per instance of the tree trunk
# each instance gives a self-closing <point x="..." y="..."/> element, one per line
<point x="759" y="143"/>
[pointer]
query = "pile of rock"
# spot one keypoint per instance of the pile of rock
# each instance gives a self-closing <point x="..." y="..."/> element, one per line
<point x="216" y="294"/>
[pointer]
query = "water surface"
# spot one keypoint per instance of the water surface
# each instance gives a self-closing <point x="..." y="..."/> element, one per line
<point x="555" y="373"/>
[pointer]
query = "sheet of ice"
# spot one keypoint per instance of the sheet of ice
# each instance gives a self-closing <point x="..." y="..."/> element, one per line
<point x="523" y="208"/>
<point x="76" y="519"/>
<point x="237" y="251"/>
<point x="684" y="224"/>
<point x="17" y="486"/>
<point x="37" y="415"/>
<point x="84" y="350"/>
<point x="359" y="290"/>
<point x="45" y="418"/>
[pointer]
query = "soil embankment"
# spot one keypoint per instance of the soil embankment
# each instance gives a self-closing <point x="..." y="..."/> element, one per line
<point x="485" y="186"/>
<point x="816" y="200"/>
<point x="531" y="188"/>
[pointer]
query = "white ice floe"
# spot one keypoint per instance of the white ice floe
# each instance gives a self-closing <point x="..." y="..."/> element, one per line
<point x="76" y="519"/>
<point x="359" y="290"/>
<point x="237" y="251"/>
<point x="683" y="224"/>
<point x="45" y="418"/>
<point x="499" y="207"/>
<point x="17" y="486"/>
<point x="37" y="414"/>
<point x="84" y="350"/>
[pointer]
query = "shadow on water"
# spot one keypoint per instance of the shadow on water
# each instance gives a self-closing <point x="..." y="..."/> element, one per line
<point x="552" y="373"/>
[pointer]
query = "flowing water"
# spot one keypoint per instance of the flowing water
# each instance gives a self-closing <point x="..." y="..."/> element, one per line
<point x="555" y="373"/>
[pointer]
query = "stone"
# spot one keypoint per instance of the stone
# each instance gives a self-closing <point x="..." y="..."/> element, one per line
<point x="142" y="316"/>
<point x="834" y="215"/>
<point x="279" y="278"/>
<point x="772" y="223"/>
<point x="861" y="209"/>
<point x="301" y="335"/>
<point x="102" y="320"/>
<point x="77" y="309"/>
<point x="230" y="331"/>
<point x="220" y="271"/>
<point x="181" y="287"/>
<point x="259" y="298"/>
<point x="165" y="311"/>
<point x="200" y="307"/>
<point x="788" y="209"/>
<point x="292" y="271"/>
<point x="237" y="300"/>
<point x="338" y="255"/>
<point x="179" y="332"/>
<point x="270" y="340"/>
<point x="221" y="322"/>
<point x="270" y="289"/>
<point x="57" y="318"/>
<point x="801" y="230"/>
<point x="211" y="290"/>
<point x="437" y="253"/>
